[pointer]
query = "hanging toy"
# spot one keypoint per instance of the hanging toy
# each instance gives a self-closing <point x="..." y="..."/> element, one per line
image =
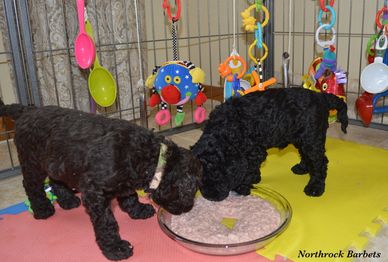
<point x="233" y="70"/>
<point x="176" y="82"/>
<point x="325" y="77"/>
<point x="374" y="77"/>
<point x="323" y="74"/>
<point x="250" y="25"/>
<point x="234" y="67"/>
<point x="370" y="48"/>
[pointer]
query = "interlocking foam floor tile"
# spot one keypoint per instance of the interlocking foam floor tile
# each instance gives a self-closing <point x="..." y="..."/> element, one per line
<point x="356" y="195"/>
<point x="68" y="236"/>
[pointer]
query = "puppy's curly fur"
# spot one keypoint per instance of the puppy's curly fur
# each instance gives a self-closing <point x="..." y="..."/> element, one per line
<point x="235" y="139"/>
<point x="102" y="159"/>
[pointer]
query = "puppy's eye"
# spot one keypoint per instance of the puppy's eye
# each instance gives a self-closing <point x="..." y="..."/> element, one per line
<point x="177" y="80"/>
<point x="167" y="79"/>
<point x="324" y="86"/>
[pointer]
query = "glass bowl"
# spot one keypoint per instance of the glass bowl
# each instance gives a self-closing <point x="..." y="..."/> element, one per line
<point x="274" y="198"/>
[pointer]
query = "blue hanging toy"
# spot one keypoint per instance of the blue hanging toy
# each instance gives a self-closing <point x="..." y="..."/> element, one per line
<point x="176" y="83"/>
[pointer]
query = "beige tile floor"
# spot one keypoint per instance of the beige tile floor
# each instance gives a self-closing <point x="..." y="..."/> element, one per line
<point x="11" y="190"/>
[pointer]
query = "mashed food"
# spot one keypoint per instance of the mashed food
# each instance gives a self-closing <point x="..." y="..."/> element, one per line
<point x="251" y="216"/>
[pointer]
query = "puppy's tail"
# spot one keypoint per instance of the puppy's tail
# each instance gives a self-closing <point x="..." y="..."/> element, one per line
<point x="13" y="111"/>
<point x="335" y="102"/>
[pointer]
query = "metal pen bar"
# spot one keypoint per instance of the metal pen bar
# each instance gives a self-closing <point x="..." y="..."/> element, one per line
<point x="348" y="55"/>
<point x="199" y="33"/>
<point x="129" y="67"/>
<point x="153" y="44"/>
<point x="142" y="94"/>
<point x="70" y="68"/>
<point x="293" y="42"/>
<point x="115" y="63"/>
<point x="362" y="40"/>
<point x="269" y="40"/>
<point x="153" y="34"/>
<point x="51" y="57"/>
<point x="188" y="45"/>
<point x="28" y="52"/>
<point x="10" y="172"/>
<point x="219" y="38"/>
<point x="210" y="54"/>
<point x="167" y="58"/>
<point x="17" y="59"/>
<point x="304" y="36"/>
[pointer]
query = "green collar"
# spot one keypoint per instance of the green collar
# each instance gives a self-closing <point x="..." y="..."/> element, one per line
<point x="159" y="168"/>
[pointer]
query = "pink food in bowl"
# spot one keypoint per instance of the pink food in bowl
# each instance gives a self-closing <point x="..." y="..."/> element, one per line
<point x="253" y="216"/>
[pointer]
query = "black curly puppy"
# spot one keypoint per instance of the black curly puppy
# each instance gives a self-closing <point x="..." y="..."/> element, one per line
<point x="235" y="139"/>
<point x="102" y="159"/>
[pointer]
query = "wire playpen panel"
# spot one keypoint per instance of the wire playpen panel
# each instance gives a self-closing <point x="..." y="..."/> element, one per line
<point x="354" y="26"/>
<point x="37" y="51"/>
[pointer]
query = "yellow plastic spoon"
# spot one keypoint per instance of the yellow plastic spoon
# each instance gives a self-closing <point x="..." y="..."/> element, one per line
<point x="102" y="85"/>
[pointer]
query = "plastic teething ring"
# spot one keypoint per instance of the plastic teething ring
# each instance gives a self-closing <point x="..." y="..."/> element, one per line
<point x="162" y="117"/>
<point x="242" y="61"/>
<point x="370" y="43"/>
<point x="264" y="9"/>
<point x="322" y="4"/>
<point x="266" y="13"/>
<point x="259" y="5"/>
<point x="199" y="115"/>
<point x="251" y="55"/>
<point x="166" y="5"/>
<point x="324" y="44"/>
<point x="333" y="17"/>
<point x="379" y="13"/>
<point x="259" y="35"/>
<point x="382" y="43"/>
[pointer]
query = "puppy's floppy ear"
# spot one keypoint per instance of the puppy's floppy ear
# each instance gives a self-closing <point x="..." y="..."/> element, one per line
<point x="190" y="176"/>
<point x="205" y="145"/>
<point x="190" y="164"/>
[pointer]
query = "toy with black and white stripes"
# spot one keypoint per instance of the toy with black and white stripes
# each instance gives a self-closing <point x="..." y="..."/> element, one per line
<point x="176" y="82"/>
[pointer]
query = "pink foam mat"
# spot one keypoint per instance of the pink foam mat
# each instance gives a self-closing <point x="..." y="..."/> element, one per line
<point x="68" y="236"/>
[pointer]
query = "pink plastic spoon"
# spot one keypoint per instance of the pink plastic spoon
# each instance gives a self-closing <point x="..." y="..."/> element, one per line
<point x="84" y="47"/>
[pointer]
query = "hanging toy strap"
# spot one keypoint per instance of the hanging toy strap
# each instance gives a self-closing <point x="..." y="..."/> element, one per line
<point x="175" y="52"/>
<point x="250" y="25"/>
<point x="323" y="7"/>
<point x="322" y="26"/>
<point x="174" y="26"/>
<point x="323" y="74"/>
<point x="259" y="69"/>
<point x="167" y="7"/>
<point x="382" y="13"/>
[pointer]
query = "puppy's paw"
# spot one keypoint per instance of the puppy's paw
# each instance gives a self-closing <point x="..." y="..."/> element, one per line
<point x="43" y="212"/>
<point x="69" y="203"/>
<point x="119" y="251"/>
<point x="141" y="211"/>
<point x="299" y="169"/>
<point x="314" y="189"/>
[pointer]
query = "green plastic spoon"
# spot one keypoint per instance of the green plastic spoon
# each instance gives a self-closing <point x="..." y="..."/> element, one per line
<point x="102" y="85"/>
